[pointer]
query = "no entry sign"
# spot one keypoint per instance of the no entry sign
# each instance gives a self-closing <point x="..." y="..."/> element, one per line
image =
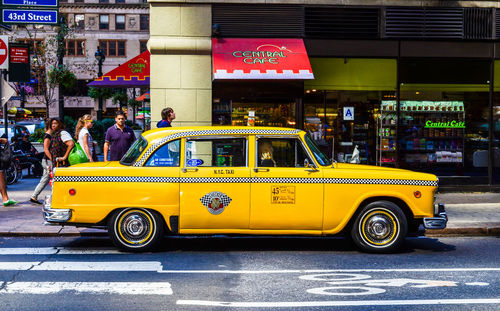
<point x="4" y="48"/>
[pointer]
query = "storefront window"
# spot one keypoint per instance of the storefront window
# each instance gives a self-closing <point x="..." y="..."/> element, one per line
<point x="444" y="119"/>
<point x="342" y="106"/>
<point x="342" y="121"/>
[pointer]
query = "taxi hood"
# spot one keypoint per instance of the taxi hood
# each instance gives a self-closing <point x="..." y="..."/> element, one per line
<point x="384" y="172"/>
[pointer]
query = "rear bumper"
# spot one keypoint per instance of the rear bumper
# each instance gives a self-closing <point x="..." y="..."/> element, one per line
<point x="439" y="220"/>
<point x="54" y="215"/>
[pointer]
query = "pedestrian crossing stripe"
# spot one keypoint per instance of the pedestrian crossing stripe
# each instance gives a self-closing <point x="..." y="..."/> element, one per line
<point x="274" y="180"/>
<point x="120" y="288"/>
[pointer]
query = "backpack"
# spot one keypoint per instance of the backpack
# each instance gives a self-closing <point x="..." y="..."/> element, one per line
<point x="57" y="148"/>
<point x="5" y="155"/>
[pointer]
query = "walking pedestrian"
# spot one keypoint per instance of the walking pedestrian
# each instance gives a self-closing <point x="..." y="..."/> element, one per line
<point x="167" y="116"/>
<point x="3" y="185"/>
<point x="46" y="164"/>
<point x="83" y="136"/>
<point x="119" y="138"/>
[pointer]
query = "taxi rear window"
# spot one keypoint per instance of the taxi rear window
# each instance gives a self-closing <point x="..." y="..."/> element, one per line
<point x="134" y="151"/>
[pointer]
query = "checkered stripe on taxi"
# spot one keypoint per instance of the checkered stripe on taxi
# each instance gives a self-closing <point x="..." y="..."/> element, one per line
<point x="404" y="182"/>
<point x="354" y="181"/>
<point x="153" y="147"/>
<point x="115" y="179"/>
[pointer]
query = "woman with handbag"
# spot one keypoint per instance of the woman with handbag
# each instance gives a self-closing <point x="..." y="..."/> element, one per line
<point x="83" y="136"/>
<point x="57" y="145"/>
<point x="3" y="186"/>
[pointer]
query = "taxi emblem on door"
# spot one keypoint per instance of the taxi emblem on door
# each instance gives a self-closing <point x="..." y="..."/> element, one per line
<point x="215" y="202"/>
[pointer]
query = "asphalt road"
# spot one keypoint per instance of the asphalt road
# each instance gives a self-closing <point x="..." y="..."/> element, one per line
<point x="249" y="273"/>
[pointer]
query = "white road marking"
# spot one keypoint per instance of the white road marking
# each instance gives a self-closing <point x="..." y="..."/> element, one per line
<point x="143" y="266"/>
<point x="346" y="291"/>
<point x="121" y="288"/>
<point x="56" y="250"/>
<point x="477" y="284"/>
<point x="327" y="271"/>
<point x="294" y="304"/>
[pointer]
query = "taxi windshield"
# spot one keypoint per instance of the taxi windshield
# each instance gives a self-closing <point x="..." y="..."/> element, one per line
<point x="134" y="152"/>
<point x="318" y="154"/>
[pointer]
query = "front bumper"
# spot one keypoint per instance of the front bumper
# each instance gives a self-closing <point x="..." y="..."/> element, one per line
<point x="439" y="221"/>
<point x="54" y="215"/>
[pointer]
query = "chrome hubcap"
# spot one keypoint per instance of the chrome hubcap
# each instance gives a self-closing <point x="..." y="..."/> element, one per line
<point x="134" y="225"/>
<point x="379" y="227"/>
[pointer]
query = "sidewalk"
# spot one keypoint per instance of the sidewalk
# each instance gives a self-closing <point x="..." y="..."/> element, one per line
<point x="468" y="214"/>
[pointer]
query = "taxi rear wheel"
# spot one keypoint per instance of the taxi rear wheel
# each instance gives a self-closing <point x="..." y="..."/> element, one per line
<point x="380" y="227"/>
<point x="135" y="229"/>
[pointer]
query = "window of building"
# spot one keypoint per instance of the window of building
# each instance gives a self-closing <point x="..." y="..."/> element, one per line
<point x="104" y="21"/>
<point x="229" y="152"/>
<point x="144" y="22"/>
<point x="79" y="1"/>
<point x="80" y="21"/>
<point x="143" y="45"/>
<point x="75" y="47"/>
<point x="113" y="47"/>
<point x="103" y="1"/>
<point x="166" y="156"/>
<point x="120" y="22"/>
<point x="119" y="1"/>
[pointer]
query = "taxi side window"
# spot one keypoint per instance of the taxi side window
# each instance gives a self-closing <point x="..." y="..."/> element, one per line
<point x="226" y="152"/>
<point x="167" y="155"/>
<point x="280" y="152"/>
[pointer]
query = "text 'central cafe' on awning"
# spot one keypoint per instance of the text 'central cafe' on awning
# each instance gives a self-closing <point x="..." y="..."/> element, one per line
<point x="258" y="81"/>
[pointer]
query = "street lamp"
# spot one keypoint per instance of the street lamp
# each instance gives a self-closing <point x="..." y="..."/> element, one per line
<point x="100" y="57"/>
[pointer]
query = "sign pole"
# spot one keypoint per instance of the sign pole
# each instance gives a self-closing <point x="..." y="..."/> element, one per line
<point x="5" y="117"/>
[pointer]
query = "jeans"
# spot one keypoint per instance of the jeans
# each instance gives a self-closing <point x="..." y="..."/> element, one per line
<point x="46" y="164"/>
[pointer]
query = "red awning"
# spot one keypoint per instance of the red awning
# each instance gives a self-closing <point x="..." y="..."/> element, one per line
<point x="260" y="59"/>
<point x="133" y="73"/>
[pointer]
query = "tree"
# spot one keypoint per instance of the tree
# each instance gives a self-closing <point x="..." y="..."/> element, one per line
<point x="45" y="68"/>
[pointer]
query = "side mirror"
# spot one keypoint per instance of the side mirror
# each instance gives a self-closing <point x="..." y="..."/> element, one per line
<point x="306" y="162"/>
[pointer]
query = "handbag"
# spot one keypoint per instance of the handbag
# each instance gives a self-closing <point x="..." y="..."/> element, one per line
<point x="5" y="155"/>
<point x="77" y="155"/>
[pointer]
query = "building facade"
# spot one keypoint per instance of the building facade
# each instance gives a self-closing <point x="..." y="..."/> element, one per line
<point x="119" y="28"/>
<point x="419" y="79"/>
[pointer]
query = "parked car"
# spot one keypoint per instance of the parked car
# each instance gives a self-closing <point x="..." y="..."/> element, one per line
<point x="15" y="130"/>
<point x="241" y="180"/>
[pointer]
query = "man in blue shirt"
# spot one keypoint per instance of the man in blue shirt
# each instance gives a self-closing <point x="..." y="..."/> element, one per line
<point x="118" y="139"/>
<point x="167" y="116"/>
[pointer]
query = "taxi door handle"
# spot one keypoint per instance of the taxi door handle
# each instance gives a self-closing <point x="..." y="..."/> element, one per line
<point x="189" y="169"/>
<point x="260" y="170"/>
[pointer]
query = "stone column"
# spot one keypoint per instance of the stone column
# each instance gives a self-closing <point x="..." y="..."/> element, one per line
<point x="181" y="62"/>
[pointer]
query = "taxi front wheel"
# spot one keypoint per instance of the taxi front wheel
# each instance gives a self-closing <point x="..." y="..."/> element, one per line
<point x="380" y="227"/>
<point x="135" y="229"/>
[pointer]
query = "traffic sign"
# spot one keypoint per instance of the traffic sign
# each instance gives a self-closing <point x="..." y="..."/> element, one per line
<point x="15" y="16"/>
<point x="4" y="52"/>
<point x="47" y="3"/>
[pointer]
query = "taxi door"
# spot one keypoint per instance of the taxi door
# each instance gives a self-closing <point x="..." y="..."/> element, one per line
<point x="215" y="185"/>
<point x="286" y="191"/>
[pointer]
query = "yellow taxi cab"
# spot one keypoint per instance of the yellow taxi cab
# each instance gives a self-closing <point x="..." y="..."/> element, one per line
<point x="241" y="180"/>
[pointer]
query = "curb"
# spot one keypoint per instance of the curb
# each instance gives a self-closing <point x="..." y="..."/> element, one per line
<point x="482" y="231"/>
<point x="53" y="234"/>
